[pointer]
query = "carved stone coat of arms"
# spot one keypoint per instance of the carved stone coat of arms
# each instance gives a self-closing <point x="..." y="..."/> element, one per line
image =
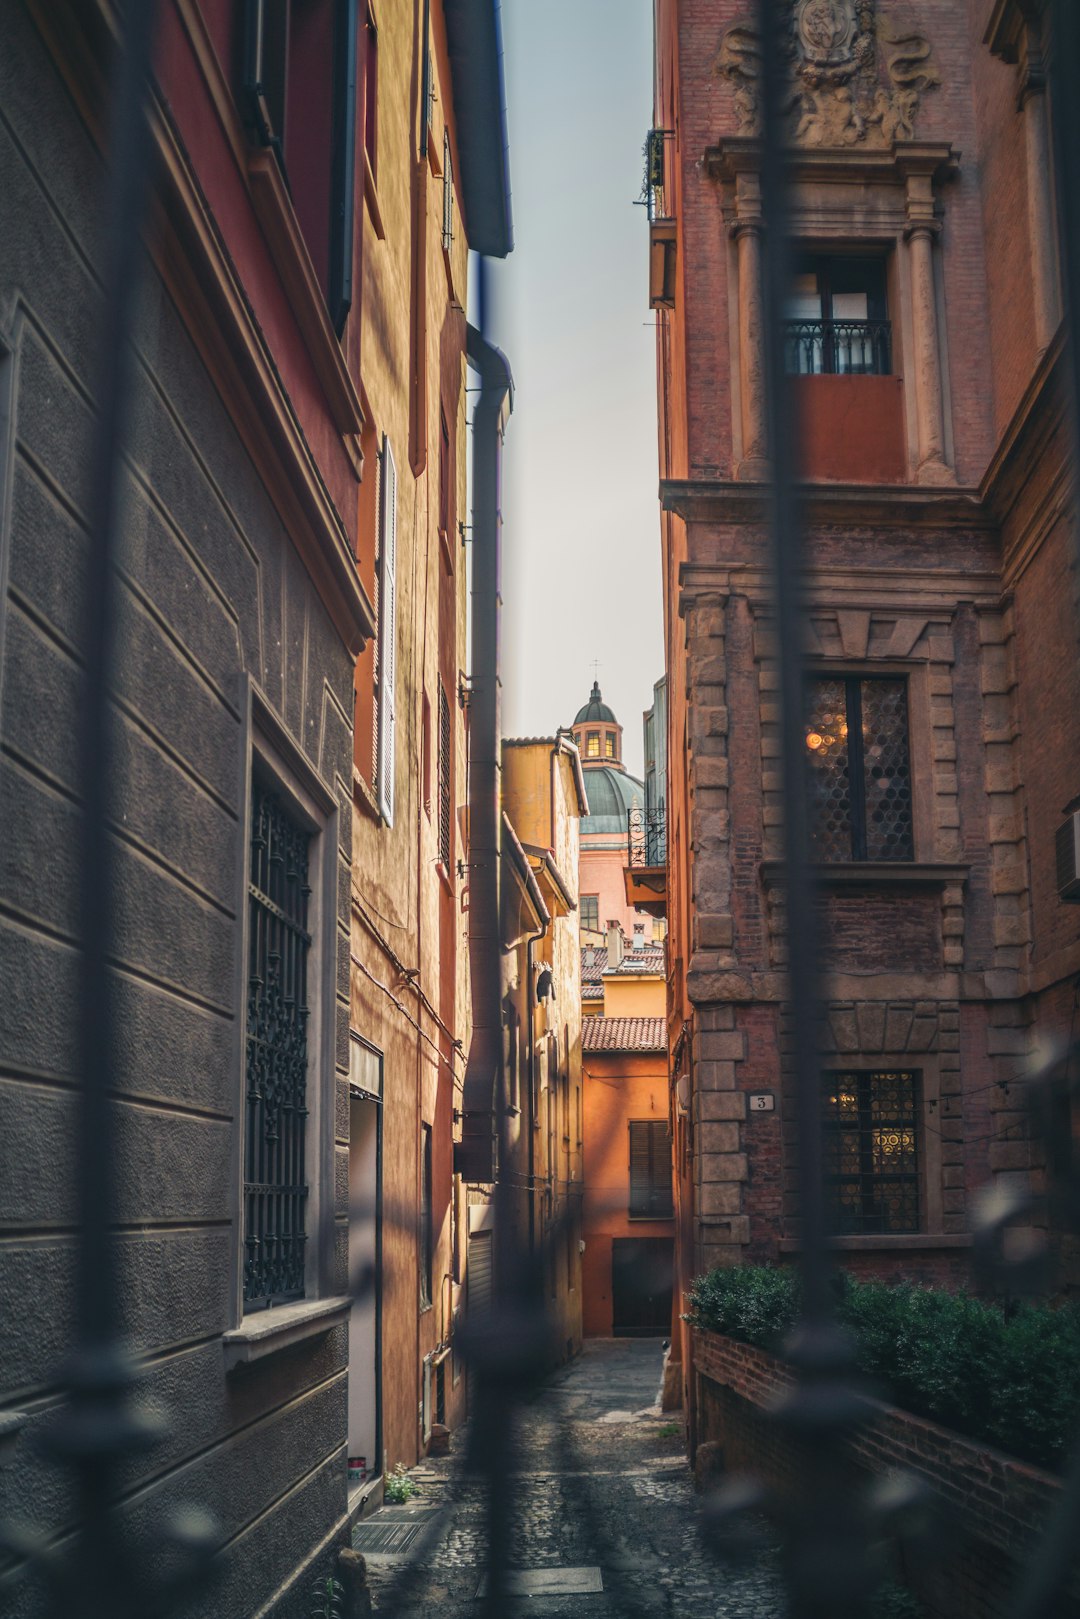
<point x="855" y="77"/>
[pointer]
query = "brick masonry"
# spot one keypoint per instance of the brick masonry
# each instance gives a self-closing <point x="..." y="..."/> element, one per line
<point x="993" y="1507"/>
<point x="963" y="973"/>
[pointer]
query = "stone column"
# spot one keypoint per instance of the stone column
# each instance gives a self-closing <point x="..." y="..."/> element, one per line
<point x="929" y="409"/>
<point x="754" y="463"/>
<point x="1044" y="273"/>
<point x="746" y="229"/>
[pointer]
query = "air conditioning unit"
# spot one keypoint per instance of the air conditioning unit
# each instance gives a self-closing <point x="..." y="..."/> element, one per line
<point x="1068" y="858"/>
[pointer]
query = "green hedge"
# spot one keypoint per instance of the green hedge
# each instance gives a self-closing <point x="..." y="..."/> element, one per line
<point x="1011" y="1380"/>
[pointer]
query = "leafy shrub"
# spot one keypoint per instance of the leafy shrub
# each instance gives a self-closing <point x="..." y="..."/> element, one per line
<point x="1010" y="1381"/>
<point x="328" y="1598"/>
<point x="757" y="1304"/>
<point x="399" y="1487"/>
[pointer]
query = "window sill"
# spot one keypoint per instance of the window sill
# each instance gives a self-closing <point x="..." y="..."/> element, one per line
<point x="364" y="797"/>
<point x="650" y="1219"/>
<point x="266" y="1332"/>
<point x="905" y="1242"/>
<point x="872" y="873"/>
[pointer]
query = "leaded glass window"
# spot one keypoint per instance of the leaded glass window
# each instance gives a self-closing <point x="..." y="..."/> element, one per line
<point x="275" y="1174"/>
<point x="859" y="769"/>
<point x="871" y="1141"/>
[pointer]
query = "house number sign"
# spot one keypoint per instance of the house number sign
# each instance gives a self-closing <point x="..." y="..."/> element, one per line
<point x="762" y="1102"/>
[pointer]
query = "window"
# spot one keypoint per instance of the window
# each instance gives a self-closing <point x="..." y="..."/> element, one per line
<point x="590" y="912"/>
<point x="445" y="779"/>
<point x="609" y="744"/>
<point x="650" y="1169"/>
<point x="299" y="78"/>
<point x="447" y="195"/>
<point x="836" y="318"/>
<point x="871" y="1151"/>
<point x="275" y="1174"/>
<point x="592" y="745"/>
<point x="860" y="774"/>
<point x="427" y="1245"/>
<point x="386" y="568"/>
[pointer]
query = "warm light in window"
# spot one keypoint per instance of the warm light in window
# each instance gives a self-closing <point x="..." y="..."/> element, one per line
<point x="813" y="739"/>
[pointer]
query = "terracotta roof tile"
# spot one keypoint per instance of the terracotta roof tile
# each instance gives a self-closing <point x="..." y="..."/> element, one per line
<point x="623" y="1034"/>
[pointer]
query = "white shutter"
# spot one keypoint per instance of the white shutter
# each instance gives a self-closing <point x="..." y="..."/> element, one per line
<point x="387" y="629"/>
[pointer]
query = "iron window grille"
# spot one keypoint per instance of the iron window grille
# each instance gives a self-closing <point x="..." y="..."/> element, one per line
<point x="871" y="1155"/>
<point x="836" y="319"/>
<point x="445" y="794"/>
<point x="650" y="1169"/>
<point x="590" y="912"/>
<point x="275" y="1176"/>
<point x="859" y="770"/>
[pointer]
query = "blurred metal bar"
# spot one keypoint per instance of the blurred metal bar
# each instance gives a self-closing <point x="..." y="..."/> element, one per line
<point x="102" y="1424"/>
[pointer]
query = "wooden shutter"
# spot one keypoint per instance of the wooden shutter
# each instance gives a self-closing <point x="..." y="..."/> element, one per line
<point x="445" y="781"/>
<point x="650" y="1168"/>
<point x="387" y="629"/>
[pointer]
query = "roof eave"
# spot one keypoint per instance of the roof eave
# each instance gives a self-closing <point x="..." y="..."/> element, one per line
<point x="474" y="38"/>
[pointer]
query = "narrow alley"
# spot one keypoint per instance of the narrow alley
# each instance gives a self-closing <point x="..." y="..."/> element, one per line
<point x="605" y="1514"/>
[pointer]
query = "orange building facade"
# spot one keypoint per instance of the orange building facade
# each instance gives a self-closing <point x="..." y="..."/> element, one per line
<point x="942" y="732"/>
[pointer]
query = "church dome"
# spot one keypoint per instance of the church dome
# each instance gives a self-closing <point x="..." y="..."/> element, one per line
<point x="595" y="710"/>
<point x="612" y="793"/>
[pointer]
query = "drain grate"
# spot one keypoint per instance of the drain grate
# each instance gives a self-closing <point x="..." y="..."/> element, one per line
<point x="388" y="1533"/>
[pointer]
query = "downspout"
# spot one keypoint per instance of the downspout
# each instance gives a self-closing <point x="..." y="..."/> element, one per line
<point x="483" y="1089"/>
<point x="533" y="939"/>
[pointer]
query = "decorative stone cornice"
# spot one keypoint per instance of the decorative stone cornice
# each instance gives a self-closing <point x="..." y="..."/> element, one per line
<point x="908" y="506"/>
<point x="742" y="154"/>
<point x="1016" y="33"/>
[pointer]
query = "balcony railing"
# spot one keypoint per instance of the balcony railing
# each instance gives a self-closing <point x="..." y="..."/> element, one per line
<point x="849" y="348"/>
<point x="646" y="837"/>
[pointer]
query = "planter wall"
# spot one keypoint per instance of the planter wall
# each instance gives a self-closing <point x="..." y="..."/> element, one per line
<point x="996" y="1505"/>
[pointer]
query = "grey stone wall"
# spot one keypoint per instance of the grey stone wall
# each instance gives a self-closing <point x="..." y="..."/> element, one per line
<point x="213" y="595"/>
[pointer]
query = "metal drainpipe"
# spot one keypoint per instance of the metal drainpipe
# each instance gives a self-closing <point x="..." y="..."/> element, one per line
<point x="533" y="939"/>
<point x="482" y="1090"/>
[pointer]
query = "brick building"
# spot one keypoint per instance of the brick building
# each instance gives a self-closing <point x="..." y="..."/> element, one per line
<point x="942" y="724"/>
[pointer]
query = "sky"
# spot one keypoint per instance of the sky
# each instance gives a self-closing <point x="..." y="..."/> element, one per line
<point x="570" y="308"/>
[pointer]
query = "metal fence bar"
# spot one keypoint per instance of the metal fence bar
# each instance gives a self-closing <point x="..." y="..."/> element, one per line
<point x="826" y="1550"/>
<point x="102" y="1424"/>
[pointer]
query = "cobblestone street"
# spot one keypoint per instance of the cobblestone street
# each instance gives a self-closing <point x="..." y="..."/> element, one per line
<point x="604" y="1495"/>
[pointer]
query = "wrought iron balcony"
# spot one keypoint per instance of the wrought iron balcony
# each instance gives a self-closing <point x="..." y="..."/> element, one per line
<point x="646" y="838"/>
<point x="849" y="348"/>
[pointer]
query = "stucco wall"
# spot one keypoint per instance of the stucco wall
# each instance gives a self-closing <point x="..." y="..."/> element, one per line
<point x="214" y="599"/>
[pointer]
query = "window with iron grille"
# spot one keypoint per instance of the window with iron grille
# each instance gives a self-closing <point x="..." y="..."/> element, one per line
<point x="426" y="1229"/>
<point x="650" y="1169"/>
<point x="871" y="1140"/>
<point x="836" y="318"/>
<point x="445" y="779"/>
<point x="275" y="1175"/>
<point x="590" y="912"/>
<point x="859" y="770"/>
